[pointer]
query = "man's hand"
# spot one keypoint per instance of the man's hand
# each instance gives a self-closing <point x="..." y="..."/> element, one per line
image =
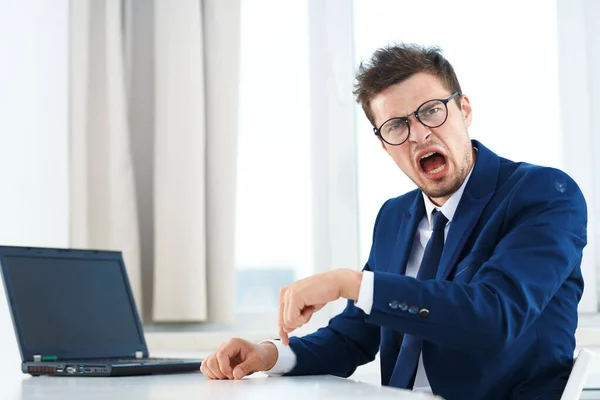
<point x="300" y="300"/>
<point x="237" y="358"/>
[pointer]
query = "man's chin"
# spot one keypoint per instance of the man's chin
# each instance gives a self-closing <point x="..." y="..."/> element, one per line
<point x="441" y="190"/>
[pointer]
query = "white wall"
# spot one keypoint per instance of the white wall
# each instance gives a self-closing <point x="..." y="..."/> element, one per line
<point x="33" y="136"/>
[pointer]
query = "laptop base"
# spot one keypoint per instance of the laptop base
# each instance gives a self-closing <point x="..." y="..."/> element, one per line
<point x="94" y="369"/>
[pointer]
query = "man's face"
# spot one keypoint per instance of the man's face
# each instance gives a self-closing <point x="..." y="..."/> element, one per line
<point x="442" y="173"/>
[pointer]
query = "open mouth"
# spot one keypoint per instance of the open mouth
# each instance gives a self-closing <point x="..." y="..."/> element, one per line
<point x="432" y="163"/>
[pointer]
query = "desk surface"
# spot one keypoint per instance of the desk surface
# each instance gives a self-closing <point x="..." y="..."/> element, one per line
<point x="196" y="386"/>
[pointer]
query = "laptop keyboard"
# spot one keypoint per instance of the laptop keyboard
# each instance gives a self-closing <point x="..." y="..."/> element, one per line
<point x="150" y="360"/>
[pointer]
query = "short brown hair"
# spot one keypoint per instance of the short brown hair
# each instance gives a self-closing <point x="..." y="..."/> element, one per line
<point x="396" y="63"/>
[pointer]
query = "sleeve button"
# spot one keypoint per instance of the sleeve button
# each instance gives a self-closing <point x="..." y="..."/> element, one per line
<point x="403" y="306"/>
<point x="393" y="304"/>
<point x="423" y="312"/>
<point x="413" y="309"/>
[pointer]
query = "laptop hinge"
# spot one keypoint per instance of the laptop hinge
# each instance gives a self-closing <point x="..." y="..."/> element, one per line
<point x="139" y="354"/>
<point x="37" y="358"/>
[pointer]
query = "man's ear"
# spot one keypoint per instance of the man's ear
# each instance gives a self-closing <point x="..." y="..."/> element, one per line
<point x="467" y="111"/>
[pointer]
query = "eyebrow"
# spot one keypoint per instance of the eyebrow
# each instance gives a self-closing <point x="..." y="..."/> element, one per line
<point x="415" y="111"/>
<point x="408" y="115"/>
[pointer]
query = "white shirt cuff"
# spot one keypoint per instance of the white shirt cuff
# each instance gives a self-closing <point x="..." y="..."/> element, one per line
<point x="365" y="294"/>
<point x="286" y="359"/>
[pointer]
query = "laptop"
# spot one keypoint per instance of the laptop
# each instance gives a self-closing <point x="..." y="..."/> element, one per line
<point x="74" y="314"/>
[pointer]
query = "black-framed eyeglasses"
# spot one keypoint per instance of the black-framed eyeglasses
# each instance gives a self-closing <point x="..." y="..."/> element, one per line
<point x="433" y="113"/>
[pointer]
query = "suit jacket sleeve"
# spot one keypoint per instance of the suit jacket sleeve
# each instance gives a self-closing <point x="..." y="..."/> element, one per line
<point x="544" y="232"/>
<point x="338" y="349"/>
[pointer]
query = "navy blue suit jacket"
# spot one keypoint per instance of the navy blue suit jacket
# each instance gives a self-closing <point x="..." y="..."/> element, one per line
<point x="502" y="311"/>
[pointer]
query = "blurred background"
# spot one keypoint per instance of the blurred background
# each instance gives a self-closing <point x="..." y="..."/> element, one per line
<point x="218" y="145"/>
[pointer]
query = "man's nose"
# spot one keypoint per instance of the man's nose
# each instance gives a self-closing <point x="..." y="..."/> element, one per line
<point x="419" y="133"/>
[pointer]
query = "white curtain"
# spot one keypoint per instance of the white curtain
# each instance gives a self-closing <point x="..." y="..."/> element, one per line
<point x="103" y="202"/>
<point x="221" y="21"/>
<point x="196" y="91"/>
<point x="179" y="164"/>
<point x="183" y="65"/>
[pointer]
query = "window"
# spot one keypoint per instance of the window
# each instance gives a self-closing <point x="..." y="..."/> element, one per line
<point x="504" y="65"/>
<point x="274" y="193"/>
<point x="276" y="221"/>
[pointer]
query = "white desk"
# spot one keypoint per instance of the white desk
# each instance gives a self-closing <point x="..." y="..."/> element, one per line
<point x="197" y="387"/>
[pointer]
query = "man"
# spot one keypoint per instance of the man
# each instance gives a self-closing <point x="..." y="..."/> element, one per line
<point x="473" y="280"/>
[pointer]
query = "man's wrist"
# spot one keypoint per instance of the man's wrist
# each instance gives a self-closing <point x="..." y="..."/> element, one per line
<point x="351" y="284"/>
<point x="272" y="354"/>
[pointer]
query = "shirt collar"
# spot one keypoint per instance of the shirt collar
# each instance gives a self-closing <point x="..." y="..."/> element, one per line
<point x="450" y="206"/>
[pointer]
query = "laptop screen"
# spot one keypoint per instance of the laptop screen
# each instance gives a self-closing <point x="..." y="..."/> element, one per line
<point x="73" y="307"/>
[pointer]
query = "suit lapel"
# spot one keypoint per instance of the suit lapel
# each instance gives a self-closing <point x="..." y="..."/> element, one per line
<point x="406" y="234"/>
<point x="479" y="190"/>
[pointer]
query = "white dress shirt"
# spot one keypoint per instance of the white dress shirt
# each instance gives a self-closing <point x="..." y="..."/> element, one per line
<point x="287" y="359"/>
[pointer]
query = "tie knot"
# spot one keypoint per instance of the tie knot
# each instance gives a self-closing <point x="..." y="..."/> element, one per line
<point x="439" y="220"/>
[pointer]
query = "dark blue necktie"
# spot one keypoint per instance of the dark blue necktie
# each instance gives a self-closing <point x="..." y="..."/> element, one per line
<point x="433" y="250"/>
<point x="411" y="346"/>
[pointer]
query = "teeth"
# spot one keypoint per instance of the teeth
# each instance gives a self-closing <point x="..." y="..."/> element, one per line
<point x="438" y="169"/>
<point x="427" y="155"/>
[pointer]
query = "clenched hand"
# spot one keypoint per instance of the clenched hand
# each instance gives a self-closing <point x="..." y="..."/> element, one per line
<point x="300" y="300"/>
<point x="238" y="358"/>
